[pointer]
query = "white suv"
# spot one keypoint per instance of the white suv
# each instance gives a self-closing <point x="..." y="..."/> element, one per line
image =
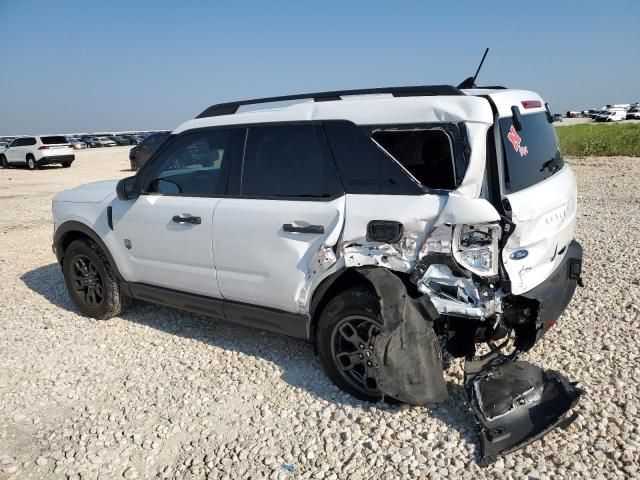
<point x="37" y="151"/>
<point x="389" y="227"/>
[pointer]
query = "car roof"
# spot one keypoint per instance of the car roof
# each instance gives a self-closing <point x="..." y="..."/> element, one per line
<point x="379" y="109"/>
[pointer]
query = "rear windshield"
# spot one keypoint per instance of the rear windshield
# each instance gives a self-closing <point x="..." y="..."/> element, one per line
<point x="53" y="140"/>
<point x="532" y="153"/>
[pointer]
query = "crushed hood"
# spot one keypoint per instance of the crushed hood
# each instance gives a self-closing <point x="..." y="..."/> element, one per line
<point x="94" y="192"/>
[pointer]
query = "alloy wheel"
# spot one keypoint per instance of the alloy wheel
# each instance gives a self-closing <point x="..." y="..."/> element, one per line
<point x="352" y="347"/>
<point x="87" y="280"/>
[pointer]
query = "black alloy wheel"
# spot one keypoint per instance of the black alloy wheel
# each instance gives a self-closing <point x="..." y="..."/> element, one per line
<point x="87" y="280"/>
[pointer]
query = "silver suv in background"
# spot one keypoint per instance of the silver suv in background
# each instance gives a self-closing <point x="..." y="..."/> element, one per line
<point x="37" y="151"/>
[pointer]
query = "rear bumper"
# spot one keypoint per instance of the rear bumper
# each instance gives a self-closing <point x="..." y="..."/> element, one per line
<point x="56" y="159"/>
<point x="537" y="310"/>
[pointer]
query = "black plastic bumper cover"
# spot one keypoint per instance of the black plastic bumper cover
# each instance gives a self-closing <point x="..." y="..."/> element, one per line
<point x="556" y="292"/>
<point x="515" y="402"/>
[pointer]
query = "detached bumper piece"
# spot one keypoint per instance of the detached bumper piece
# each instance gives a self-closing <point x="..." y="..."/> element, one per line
<point x="515" y="402"/>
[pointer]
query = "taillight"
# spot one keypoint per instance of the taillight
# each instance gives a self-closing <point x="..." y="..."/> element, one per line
<point x="531" y="103"/>
<point x="43" y="147"/>
<point x="475" y="248"/>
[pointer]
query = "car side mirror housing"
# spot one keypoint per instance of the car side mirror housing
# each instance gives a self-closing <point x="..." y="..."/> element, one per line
<point x="128" y="188"/>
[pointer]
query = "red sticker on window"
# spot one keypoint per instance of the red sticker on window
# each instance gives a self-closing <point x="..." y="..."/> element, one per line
<point x="515" y="140"/>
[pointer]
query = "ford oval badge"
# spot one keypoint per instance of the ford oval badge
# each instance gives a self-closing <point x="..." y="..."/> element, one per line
<point x="519" y="254"/>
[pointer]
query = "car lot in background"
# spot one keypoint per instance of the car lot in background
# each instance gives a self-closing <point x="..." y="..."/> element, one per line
<point x="34" y="152"/>
<point x="139" y="154"/>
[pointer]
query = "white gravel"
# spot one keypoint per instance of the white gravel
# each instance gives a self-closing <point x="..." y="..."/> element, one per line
<point x="161" y="393"/>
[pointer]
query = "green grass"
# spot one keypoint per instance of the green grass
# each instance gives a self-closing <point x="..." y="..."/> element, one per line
<point x="600" y="139"/>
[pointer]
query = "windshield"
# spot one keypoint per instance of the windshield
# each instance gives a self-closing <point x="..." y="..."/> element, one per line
<point x="531" y="153"/>
<point x="53" y="140"/>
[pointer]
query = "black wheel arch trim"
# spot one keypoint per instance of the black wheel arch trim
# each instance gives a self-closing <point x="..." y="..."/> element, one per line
<point x="73" y="226"/>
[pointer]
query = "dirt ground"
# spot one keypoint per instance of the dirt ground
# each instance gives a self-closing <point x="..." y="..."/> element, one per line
<point x="158" y="393"/>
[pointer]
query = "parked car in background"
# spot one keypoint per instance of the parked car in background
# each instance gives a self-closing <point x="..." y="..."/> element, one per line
<point x="133" y="139"/>
<point x="613" y="115"/>
<point x="107" y="142"/>
<point x="633" y="113"/>
<point x="120" y="140"/>
<point x="91" y="142"/>
<point x="139" y="154"/>
<point x="76" y="143"/>
<point x="37" y="151"/>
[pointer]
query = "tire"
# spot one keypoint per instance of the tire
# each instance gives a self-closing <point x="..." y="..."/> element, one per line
<point x="31" y="162"/>
<point x="3" y="161"/>
<point x="66" y="164"/>
<point x="346" y="339"/>
<point x="90" y="280"/>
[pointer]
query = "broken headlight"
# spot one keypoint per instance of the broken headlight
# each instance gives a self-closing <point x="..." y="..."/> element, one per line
<point x="475" y="248"/>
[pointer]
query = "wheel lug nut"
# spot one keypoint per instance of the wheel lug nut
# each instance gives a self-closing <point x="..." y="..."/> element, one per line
<point x="360" y="356"/>
<point x="369" y="364"/>
<point x="361" y="346"/>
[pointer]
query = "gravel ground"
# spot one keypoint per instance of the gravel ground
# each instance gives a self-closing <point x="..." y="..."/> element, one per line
<point x="161" y="393"/>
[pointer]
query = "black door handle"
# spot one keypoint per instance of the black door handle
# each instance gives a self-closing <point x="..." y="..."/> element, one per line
<point x="316" y="229"/>
<point x="186" y="218"/>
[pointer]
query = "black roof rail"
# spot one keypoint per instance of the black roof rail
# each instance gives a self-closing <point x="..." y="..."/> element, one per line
<point x="414" y="91"/>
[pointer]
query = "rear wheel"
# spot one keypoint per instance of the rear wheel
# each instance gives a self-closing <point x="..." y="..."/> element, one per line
<point x="90" y="280"/>
<point x="346" y="342"/>
<point x="31" y="162"/>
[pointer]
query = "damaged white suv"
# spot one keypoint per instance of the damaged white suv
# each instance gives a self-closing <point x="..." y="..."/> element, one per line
<point x="390" y="227"/>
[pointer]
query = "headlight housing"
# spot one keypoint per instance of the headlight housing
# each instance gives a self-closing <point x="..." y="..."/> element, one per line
<point x="475" y="248"/>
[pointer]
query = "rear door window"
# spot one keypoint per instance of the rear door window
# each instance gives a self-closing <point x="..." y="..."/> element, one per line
<point x="287" y="161"/>
<point x="531" y="153"/>
<point x="56" y="140"/>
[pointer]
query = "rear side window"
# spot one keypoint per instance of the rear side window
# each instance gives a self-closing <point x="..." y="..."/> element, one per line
<point x="531" y="153"/>
<point x="25" y="142"/>
<point x="287" y="161"/>
<point x="426" y="154"/>
<point x="53" y="140"/>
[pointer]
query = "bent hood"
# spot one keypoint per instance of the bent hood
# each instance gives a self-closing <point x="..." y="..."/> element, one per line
<point x="94" y="192"/>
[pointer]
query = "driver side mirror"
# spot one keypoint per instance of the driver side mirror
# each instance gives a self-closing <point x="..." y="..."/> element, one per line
<point x="128" y="188"/>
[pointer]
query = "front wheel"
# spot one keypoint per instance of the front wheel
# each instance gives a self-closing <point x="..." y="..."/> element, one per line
<point x="66" y="164"/>
<point x="90" y="280"/>
<point x="347" y="330"/>
<point x="3" y="161"/>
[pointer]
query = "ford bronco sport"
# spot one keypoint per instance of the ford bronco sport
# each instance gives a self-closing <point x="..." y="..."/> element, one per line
<point x="393" y="228"/>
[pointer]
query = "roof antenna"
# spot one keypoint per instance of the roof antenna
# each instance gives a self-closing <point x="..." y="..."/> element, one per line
<point x="470" y="82"/>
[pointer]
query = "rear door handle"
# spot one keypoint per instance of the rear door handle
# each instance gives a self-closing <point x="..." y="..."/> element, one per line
<point x="187" y="218"/>
<point x="316" y="229"/>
